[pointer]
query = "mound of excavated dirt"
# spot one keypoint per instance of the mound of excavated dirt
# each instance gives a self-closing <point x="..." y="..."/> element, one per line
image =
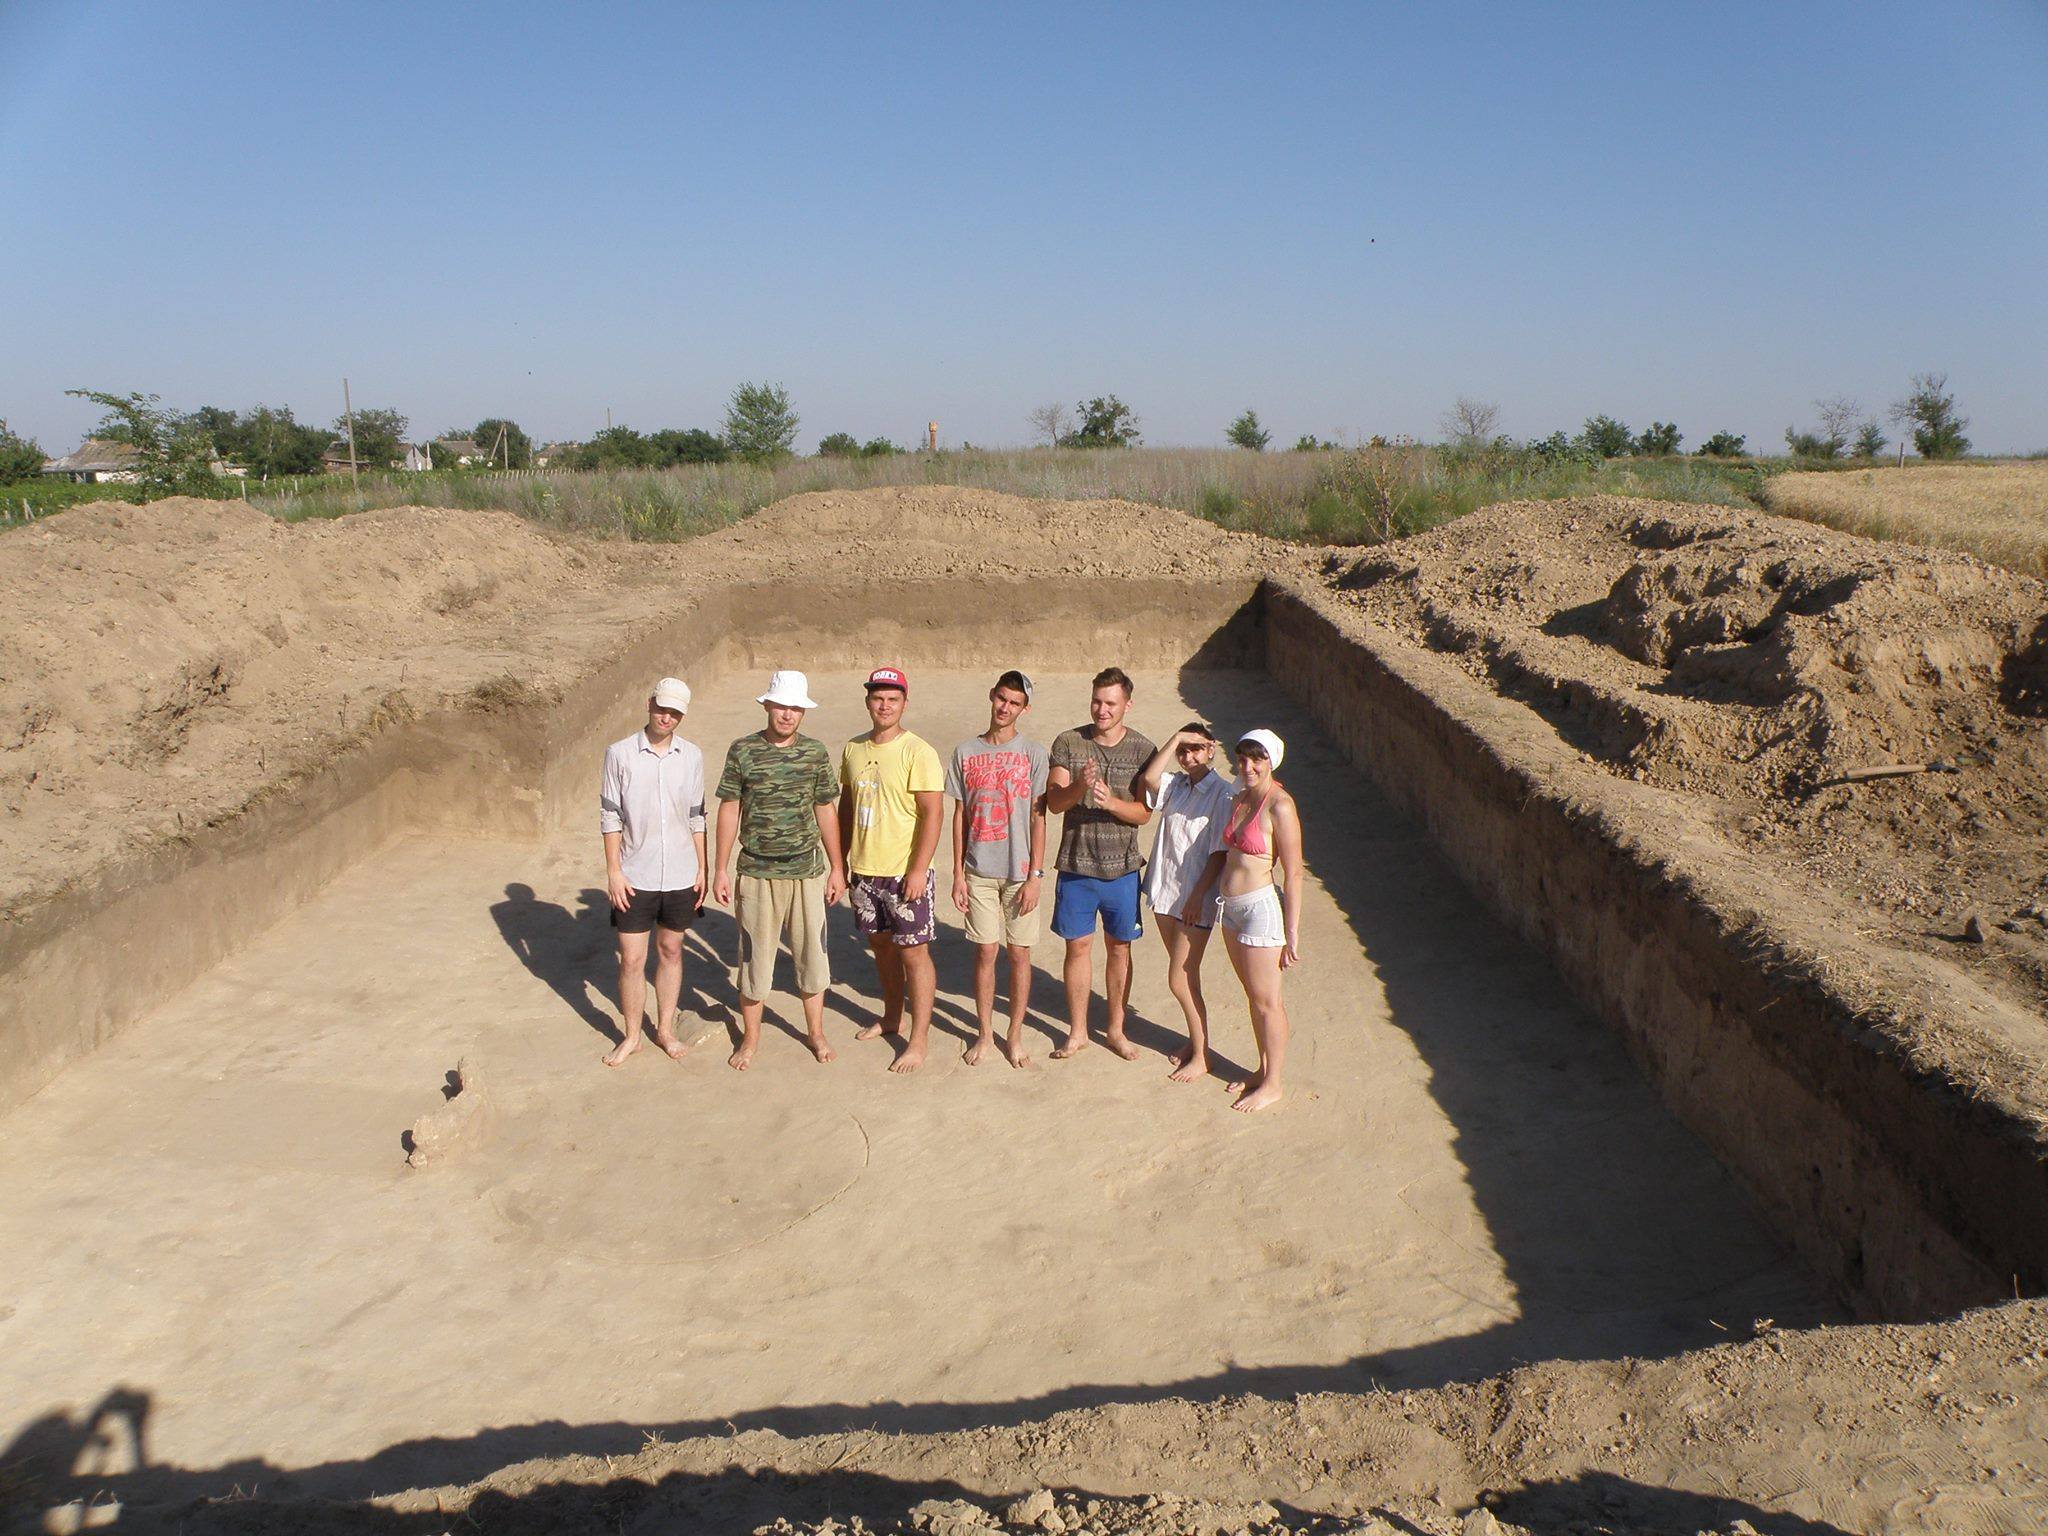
<point x="1756" y="664"/>
<point x="1892" y="1429"/>
<point x="162" y="665"/>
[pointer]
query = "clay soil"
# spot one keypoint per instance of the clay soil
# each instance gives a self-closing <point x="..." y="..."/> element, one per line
<point x="1752" y="664"/>
<point x="1469" y="1265"/>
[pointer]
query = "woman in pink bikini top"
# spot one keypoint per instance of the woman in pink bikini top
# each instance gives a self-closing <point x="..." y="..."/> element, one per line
<point x="1261" y="926"/>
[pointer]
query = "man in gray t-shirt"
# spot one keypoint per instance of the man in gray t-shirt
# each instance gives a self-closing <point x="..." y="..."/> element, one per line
<point x="1093" y="784"/>
<point x="997" y="780"/>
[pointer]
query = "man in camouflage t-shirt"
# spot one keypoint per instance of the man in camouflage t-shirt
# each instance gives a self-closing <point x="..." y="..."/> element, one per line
<point x="1093" y="782"/>
<point x="779" y="800"/>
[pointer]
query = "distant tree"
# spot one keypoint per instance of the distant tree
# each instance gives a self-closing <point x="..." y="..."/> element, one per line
<point x="1106" y="422"/>
<point x="615" y="448"/>
<point x="1605" y="437"/>
<point x="1870" y="440"/>
<point x="760" y="424"/>
<point x="1246" y="432"/>
<point x="1929" y="412"/>
<point x="1469" y="423"/>
<point x="840" y="445"/>
<point x="691" y="445"/>
<point x="176" y="455"/>
<point x="1308" y="442"/>
<point x="267" y="441"/>
<point x="1050" y="422"/>
<point x="1724" y="445"/>
<point x="378" y="436"/>
<point x="218" y="423"/>
<point x="881" y="448"/>
<point x="20" y="458"/>
<point x="1808" y="445"/>
<point x="515" y="452"/>
<point x="1658" y="439"/>
<point x="1837" y="415"/>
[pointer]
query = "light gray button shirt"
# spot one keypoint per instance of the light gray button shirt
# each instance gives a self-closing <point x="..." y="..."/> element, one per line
<point x="656" y="801"/>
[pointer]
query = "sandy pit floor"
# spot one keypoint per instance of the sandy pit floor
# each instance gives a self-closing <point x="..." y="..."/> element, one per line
<point x="220" y="1224"/>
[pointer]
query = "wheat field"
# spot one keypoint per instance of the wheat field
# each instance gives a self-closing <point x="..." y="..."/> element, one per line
<point x="1998" y="512"/>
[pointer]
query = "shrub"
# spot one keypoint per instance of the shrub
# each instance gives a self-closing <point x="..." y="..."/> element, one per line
<point x="840" y="445"/>
<point x="177" y="455"/>
<point x="1246" y="432"/>
<point x="1870" y="440"/>
<point x="760" y="423"/>
<point x="1659" y="439"/>
<point x="1106" y="422"/>
<point x="1308" y="442"/>
<point x="1605" y="437"/>
<point x="1930" y="412"/>
<point x="882" y="448"/>
<point x="692" y="445"/>
<point x="1724" y="445"/>
<point x="20" y="458"/>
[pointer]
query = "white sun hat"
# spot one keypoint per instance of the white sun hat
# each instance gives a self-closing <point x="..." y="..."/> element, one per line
<point x="792" y="690"/>
<point x="672" y="693"/>
<point x="1276" y="749"/>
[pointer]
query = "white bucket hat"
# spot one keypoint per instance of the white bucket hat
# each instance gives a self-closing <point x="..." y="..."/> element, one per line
<point x="792" y="690"/>
<point x="1276" y="749"/>
<point x="672" y="693"/>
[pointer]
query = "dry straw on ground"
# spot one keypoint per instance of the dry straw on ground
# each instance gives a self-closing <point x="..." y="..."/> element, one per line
<point x="1996" y="511"/>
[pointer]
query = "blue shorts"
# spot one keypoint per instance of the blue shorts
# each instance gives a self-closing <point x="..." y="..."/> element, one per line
<point x="1078" y="899"/>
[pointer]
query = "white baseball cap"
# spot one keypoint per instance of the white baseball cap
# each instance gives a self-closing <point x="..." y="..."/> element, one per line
<point x="1275" y="748"/>
<point x="672" y="693"/>
<point x="792" y="690"/>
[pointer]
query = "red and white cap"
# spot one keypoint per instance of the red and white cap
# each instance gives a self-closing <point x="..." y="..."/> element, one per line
<point x="888" y="677"/>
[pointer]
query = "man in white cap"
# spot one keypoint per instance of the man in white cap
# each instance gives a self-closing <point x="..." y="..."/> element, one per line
<point x="778" y="800"/>
<point x="650" y="808"/>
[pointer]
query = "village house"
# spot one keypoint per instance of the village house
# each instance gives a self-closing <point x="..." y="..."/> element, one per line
<point x="550" y="452"/>
<point x="459" y="451"/>
<point x="97" y="461"/>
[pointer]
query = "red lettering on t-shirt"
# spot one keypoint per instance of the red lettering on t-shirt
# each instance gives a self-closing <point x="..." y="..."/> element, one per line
<point x="995" y="782"/>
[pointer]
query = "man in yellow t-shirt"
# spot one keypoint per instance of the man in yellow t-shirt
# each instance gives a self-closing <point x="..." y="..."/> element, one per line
<point x="891" y="807"/>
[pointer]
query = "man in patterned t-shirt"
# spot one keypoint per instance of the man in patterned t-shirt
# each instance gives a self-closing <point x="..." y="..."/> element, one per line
<point x="779" y="800"/>
<point x="1093" y="783"/>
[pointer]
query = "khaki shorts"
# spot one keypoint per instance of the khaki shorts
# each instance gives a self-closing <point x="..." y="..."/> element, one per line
<point x="766" y="909"/>
<point x="992" y="915"/>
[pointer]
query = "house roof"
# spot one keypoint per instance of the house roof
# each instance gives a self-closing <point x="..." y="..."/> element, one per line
<point x="460" y="446"/>
<point x="95" y="455"/>
<point x="549" y="450"/>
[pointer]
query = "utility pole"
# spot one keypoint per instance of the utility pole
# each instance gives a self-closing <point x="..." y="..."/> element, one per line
<point x="348" y="412"/>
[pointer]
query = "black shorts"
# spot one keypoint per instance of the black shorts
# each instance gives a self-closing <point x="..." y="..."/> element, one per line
<point x="673" y="910"/>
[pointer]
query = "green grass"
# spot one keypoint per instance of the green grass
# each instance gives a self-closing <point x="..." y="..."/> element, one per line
<point x="1337" y="497"/>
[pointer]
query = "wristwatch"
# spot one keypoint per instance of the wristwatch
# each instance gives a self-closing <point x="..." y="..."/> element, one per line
<point x="1038" y="874"/>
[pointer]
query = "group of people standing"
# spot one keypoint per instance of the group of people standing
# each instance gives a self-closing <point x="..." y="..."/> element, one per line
<point x="1226" y="855"/>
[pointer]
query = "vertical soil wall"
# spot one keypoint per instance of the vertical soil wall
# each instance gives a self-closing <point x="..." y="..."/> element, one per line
<point x="80" y="967"/>
<point x="1910" y="1195"/>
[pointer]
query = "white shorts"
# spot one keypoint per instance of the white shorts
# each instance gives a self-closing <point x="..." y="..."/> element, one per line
<point x="1253" y="918"/>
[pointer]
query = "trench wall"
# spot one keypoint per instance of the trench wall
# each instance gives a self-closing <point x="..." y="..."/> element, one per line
<point x="1910" y="1196"/>
<point x="80" y="967"/>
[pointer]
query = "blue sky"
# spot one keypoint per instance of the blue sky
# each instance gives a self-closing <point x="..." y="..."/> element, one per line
<point x="1341" y="215"/>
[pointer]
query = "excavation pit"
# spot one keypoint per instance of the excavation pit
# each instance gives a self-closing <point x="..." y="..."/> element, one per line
<point x="1469" y="1173"/>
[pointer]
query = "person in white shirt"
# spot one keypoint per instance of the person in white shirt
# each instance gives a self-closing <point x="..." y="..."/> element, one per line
<point x="651" y="812"/>
<point x="1190" y="802"/>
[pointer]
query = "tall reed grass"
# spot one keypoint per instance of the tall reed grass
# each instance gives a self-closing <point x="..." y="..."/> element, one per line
<point x="1335" y="497"/>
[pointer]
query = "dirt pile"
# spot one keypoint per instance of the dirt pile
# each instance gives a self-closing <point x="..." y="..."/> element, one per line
<point x="1872" y="1428"/>
<point x="162" y="665"/>
<point x="1756" y="665"/>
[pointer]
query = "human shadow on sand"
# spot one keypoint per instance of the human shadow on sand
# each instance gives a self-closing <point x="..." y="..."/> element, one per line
<point x="575" y="953"/>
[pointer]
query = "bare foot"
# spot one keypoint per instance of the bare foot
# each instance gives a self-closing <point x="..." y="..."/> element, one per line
<point x="1188" y="1068"/>
<point x="909" y="1061"/>
<point x="879" y="1027"/>
<point x="618" y="1053"/>
<point x="1073" y="1045"/>
<point x="674" y="1047"/>
<point x="973" y="1054"/>
<point x="1014" y="1052"/>
<point x="742" y="1058"/>
<point x="821" y="1050"/>
<point x="1261" y="1097"/>
<point x="1117" y="1041"/>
